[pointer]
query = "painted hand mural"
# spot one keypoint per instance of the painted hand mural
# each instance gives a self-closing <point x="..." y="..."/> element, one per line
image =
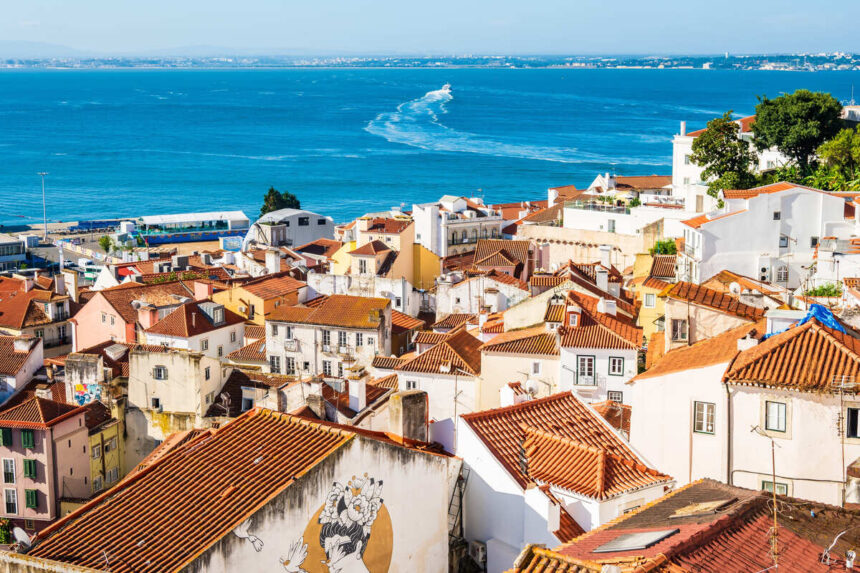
<point x="351" y="537"/>
<point x="241" y="531"/>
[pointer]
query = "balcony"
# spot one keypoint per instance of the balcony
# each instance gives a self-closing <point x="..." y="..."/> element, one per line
<point x="291" y="345"/>
<point x="598" y="207"/>
<point x="54" y="343"/>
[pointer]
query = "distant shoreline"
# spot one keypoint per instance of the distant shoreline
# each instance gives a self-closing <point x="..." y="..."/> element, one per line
<point x="369" y="68"/>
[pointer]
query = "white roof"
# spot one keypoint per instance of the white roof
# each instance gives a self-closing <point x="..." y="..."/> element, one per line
<point x="193" y="217"/>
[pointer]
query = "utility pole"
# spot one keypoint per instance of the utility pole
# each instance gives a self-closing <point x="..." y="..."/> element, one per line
<point x="44" y="205"/>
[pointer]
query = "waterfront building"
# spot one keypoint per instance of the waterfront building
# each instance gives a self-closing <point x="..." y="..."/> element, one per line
<point x="453" y="225"/>
<point x="288" y="228"/>
<point x="190" y="227"/>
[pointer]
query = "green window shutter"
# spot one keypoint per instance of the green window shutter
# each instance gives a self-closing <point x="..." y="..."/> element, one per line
<point x="27" y="439"/>
<point x="30" y="468"/>
<point x="6" y="437"/>
<point x="31" y="498"/>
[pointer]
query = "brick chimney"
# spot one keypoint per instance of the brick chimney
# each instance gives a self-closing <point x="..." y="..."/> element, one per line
<point x="408" y="415"/>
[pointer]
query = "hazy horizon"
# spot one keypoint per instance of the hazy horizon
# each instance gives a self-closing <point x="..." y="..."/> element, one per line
<point x="98" y="28"/>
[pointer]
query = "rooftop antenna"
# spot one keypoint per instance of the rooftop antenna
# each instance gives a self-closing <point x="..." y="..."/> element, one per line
<point x="774" y="531"/>
<point x="841" y="383"/>
<point x="42" y="174"/>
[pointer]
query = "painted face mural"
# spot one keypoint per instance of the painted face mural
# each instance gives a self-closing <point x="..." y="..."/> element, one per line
<point x="351" y="533"/>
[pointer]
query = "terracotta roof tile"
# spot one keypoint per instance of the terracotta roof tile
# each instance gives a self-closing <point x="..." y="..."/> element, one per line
<point x="517" y="250"/>
<point x="809" y="358"/>
<point x="745" y="123"/>
<point x="663" y="266"/>
<point x="388" y="226"/>
<point x="159" y="295"/>
<point x="37" y="413"/>
<point x="428" y="337"/>
<point x="321" y="247"/>
<point x="11" y="361"/>
<point x="336" y="310"/>
<point x="651" y="282"/>
<point x="253" y="352"/>
<point x="401" y="322"/>
<point x="453" y="321"/>
<point x="268" y="288"/>
<point x="716" y="300"/>
<point x="386" y="362"/>
<point x="586" y="470"/>
<point x="546" y="280"/>
<point x="642" y="182"/>
<point x="699" y="220"/>
<point x="371" y="248"/>
<point x="546" y="215"/>
<point x="388" y="382"/>
<point x="500" y="277"/>
<point x="456" y="354"/>
<point x="554" y="313"/>
<point x="255" y="331"/>
<point x="766" y="189"/>
<point x="190" y="320"/>
<point x="531" y="341"/>
<point x="616" y="413"/>
<point x="597" y="329"/>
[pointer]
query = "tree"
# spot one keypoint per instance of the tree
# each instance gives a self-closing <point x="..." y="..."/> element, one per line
<point x="726" y="159"/>
<point x="275" y="200"/>
<point x="797" y="124"/>
<point x="842" y="153"/>
<point x="106" y="243"/>
<point x="665" y="247"/>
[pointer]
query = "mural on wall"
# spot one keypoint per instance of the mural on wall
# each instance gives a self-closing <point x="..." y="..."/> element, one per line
<point x="350" y="533"/>
<point x="86" y="393"/>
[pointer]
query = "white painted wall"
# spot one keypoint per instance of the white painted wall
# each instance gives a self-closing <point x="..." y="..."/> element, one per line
<point x="448" y="397"/>
<point x="370" y="286"/>
<point x="605" y="382"/>
<point x="228" y="339"/>
<point x="471" y="296"/>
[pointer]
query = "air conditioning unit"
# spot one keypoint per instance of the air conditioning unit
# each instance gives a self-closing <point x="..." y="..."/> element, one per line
<point x="478" y="552"/>
<point x="342" y="349"/>
<point x="326" y="348"/>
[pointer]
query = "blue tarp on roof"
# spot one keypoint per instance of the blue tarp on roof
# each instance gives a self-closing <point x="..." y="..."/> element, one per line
<point x="820" y="313"/>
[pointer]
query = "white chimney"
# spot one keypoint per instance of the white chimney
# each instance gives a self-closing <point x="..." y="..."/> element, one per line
<point x="605" y="252"/>
<point x="551" y="196"/>
<point x="602" y="279"/>
<point x="683" y="128"/>
<point x="357" y="395"/>
<point x="605" y="306"/>
<point x="60" y="284"/>
<point x="273" y="262"/>
<point x="553" y="517"/>
<point x="23" y="343"/>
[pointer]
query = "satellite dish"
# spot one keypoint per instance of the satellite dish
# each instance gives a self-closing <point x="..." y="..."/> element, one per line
<point x="531" y="387"/>
<point x="21" y="537"/>
<point x="735" y="288"/>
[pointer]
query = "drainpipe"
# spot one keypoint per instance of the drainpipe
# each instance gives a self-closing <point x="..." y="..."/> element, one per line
<point x="729" y="473"/>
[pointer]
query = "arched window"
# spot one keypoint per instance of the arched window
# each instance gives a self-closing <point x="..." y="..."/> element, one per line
<point x="474" y="235"/>
<point x="495" y="233"/>
<point x="484" y="233"/>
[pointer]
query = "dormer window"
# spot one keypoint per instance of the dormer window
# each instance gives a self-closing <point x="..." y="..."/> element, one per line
<point x="572" y="319"/>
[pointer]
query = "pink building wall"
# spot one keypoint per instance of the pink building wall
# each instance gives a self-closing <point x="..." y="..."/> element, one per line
<point x="90" y="330"/>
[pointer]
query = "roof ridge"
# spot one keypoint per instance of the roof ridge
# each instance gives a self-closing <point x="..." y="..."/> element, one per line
<point x="527" y="404"/>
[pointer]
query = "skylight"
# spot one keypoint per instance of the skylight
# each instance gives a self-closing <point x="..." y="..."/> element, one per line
<point x="631" y="541"/>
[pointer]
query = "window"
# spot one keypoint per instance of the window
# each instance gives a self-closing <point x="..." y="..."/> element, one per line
<point x="326" y="338"/>
<point x="31" y="498"/>
<point x="585" y="370"/>
<point x="321" y="221"/>
<point x="679" y="329"/>
<point x="97" y="451"/>
<point x="30" y="469"/>
<point x="28" y="439"/>
<point x="650" y="300"/>
<point x="813" y="242"/>
<point x="703" y="417"/>
<point x="852" y="423"/>
<point x="104" y="317"/>
<point x="610" y="225"/>
<point x="8" y="470"/>
<point x="112" y="475"/>
<point x="341" y="338"/>
<point x="159" y="373"/>
<point x="233" y="336"/>
<point x="783" y="242"/>
<point x="290" y="365"/>
<point x="572" y="319"/>
<point x="774" y="418"/>
<point x="359" y="339"/>
<point x="110" y="445"/>
<point x="615" y="396"/>
<point x="97" y="483"/>
<point x="156" y="403"/>
<point x="397" y="301"/>
<point x="370" y="341"/>
<point x="411" y="384"/>
<point x="28" y="524"/>
<point x="275" y="364"/>
<point x="616" y="366"/>
<point x="340" y="370"/>
<point x="782" y="275"/>
<point x="362" y="266"/>
<point x="687" y="160"/>
<point x="112" y="317"/>
<point x="306" y="366"/>
<point x="11" y="497"/>
<point x="6" y="437"/>
<point x="781" y="488"/>
<point x="535" y="367"/>
<point x="326" y="367"/>
<point x="204" y="344"/>
<point x="289" y="334"/>
<point x="304" y="221"/>
<point x="220" y="351"/>
<point x="777" y="215"/>
<point x="274" y="329"/>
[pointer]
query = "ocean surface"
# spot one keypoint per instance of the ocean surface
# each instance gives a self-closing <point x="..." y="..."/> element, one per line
<point x="346" y="141"/>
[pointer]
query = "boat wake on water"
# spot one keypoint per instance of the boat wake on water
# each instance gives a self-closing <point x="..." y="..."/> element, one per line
<point x="416" y="123"/>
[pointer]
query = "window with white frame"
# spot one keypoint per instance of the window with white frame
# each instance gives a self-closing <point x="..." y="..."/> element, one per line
<point x="233" y="336"/>
<point x="359" y="339"/>
<point x="96" y="451"/>
<point x="782" y="274"/>
<point x="275" y="364"/>
<point x="411" y="384"/>
<point x="326" y="337"/>
<point x="585" y="370"/>
<point x="774" y="417"/>
<point x="573" y="319"/>
<point x="326" y="367"/>
<point x="616" y="365"/>
<point x="204" y="344"/>
<point x="852" y="422"/>
<point x="679" y="329"/>
<point x="703" y="417"/>
<point x="8" y="470"/>
<point x="615" y="396"/>
<point x="11" y="497"/>
<point x="112" y="475"/>
<point x="341" y="338"/>
<point x="650" y="300"/>
<point x="781" y="488"/>
<point x="290" y="365"/>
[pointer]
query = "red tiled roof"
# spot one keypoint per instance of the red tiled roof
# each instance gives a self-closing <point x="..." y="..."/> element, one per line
<point x="388" y="226"/>
<point x="597" y="329"/>
<point x="160" y="295"/>
<point x="321" y="247"/>
<point x="502" y="430"/>
<point x="663" y="266"/>
<point x="453" y="320"/>
<point x="642" y="182"/>
<point x="708" y="352"/>
<point x="745" y="123"/>
<point x="546" y="280"/>
<point x="546" y="215"/>
<point x="268" y="288"/>
<point x="500" y="277"/>
<point x="388" y="382"/>
<point x="272" y="450"/>
<point x="254" y="352"/>
<point x="616" y="413"/>
<point x="554" y="313"/>
<point x="386" y="362"/>
<point x="651" y="282"/>
<point x="532" y="341"/>
<point x="586" y="470"/>
<point x="458" y="353"/>
<point x="11" y="361"/>
<point x="37" y="413"/>
<point x="716" y="300"/>
<point x="254" y="331"/>
<point x="700" y="220"/>
<point x="809" y="358"/>
<point x="337" y="310"/>
<point x="401" y="322"/>
<point x="428" y="337"/>
<point x="772" y="188"/>
<point x="189" y="320"/>
<point x="371" y="248"/>
<point x="517" y="250"/>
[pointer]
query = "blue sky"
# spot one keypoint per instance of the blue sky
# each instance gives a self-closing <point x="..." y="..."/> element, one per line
<point x="437" y="26"/>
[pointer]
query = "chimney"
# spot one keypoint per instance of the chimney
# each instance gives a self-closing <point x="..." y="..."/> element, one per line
<point x="606" y="306"/>
<point x="746" y="343"/>
<point x="273" y="262"/>
<point x="23" y="343"/>
<point x="683" y="128"/>
<point x="553" y="518"/>
<point x="43" y="391"/>
<point x="364" y="224"/>
<point x="28" y="284"/>
<point x="551" y="196"/>
<point x="317" y="405"/>
<point x="407" y="415"/>
<point x="602" y="279"/>
<point x="605" y="252"/>
<point x="147" y="315"/>
<point x="60" y="284"/>
<point x="203" y="290"/>
<point x="357" y="395"/>
<point x="71" y="279"/>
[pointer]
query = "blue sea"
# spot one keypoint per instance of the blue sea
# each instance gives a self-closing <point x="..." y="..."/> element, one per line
<point x="346" y="141"/>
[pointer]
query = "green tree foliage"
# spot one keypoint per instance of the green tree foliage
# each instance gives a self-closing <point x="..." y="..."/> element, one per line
<point x="827" y="289"/>
<point x="842" y="156"/>
<point x="726" y="160"/>
<point x="664" y="247"/>
<point x="797" y="124"/>
<point x="106" y="243"/>
<point x="274" y="200"/>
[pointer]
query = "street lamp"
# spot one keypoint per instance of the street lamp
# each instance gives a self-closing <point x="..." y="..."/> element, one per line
<point x="44" y="206"/>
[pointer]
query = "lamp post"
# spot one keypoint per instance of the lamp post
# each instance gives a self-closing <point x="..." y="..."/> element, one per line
<point x="44" y="205"/>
